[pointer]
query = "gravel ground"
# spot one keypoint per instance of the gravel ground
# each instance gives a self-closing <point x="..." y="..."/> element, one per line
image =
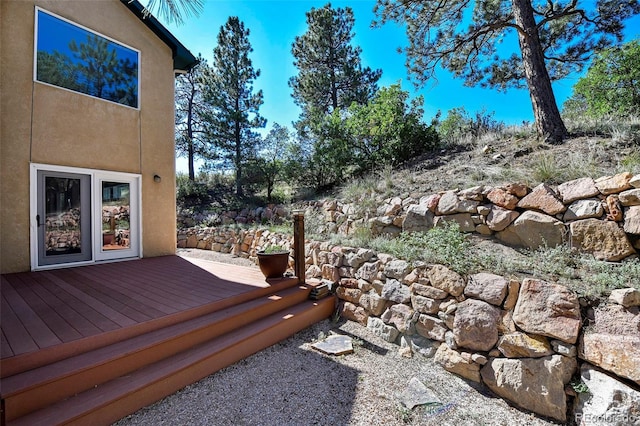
<point x="290" y="383"/>
<point x="216" y="257"/>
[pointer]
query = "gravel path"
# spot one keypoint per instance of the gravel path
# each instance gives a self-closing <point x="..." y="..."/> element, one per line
<point x="290" y="383"/>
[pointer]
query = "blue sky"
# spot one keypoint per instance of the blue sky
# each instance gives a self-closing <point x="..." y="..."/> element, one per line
<point x="55" y="34"/>
<point x="275" y="23"/>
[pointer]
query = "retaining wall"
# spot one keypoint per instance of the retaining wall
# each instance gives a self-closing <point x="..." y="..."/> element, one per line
<point x="524" y="339"/>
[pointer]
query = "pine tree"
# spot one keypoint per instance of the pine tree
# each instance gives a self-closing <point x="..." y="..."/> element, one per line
<point x="175" y="10"/>
<point x="330" y="78"/>
<point x="555" y="38"/>
<point x="330" y="75"/>
<point x="611" y="86"/>
<point x="191" y="109"/>
<point x="234" y="106"/>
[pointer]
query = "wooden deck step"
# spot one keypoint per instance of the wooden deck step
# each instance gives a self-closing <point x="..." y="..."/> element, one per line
<point x="126" y="394"/>
<point x="31" y="390"/>
<point x="45" y="356"/>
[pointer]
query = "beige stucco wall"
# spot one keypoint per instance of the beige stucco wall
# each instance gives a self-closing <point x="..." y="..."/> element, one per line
<point x="44" y="124"/>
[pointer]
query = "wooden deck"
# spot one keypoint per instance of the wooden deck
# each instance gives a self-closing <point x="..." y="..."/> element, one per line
<point x="167" y="320"/>
<point x="49" y="315"/>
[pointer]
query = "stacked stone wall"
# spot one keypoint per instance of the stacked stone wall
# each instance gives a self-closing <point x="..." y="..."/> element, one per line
<point x="600" y="216"/>
<point x="524" y="339"/>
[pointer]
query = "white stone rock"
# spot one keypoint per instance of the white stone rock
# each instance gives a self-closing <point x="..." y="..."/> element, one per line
<point x="475" y="325"/>
<point x="584" y="209"/>
<point x="490" y="288"/>
<point x="417" y="219"/>
<point x="608" y="402"/>
<point x="431" y="327"/>
<point x="447" y="203"/>
<point x="397" y="269"/>
<point x="533" y="384"/>
<point x="563" y="348"/>
<point x="630" y="197"/>
<point x="604" y="239"/>
<point x="417" y="393"/>
<point x="614" y="184"/>
<point x="499" y="218"/>
<point x="626" y="297"/>
<point x="618" y="354"/>
<point x="577" y="189"/>
<point x="522" y="345"/>
<point x="464" y="221"/>
<point x="421" y="346"/>
<point x="632" y="220"/>
<point x="454" y="362"/>
<point x="395" y="291"/>
<point x="447" y="280"/>
<point x="379" y="328"/>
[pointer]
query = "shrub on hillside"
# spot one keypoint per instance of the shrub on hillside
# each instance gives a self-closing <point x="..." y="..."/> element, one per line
<point x="191" y="194"/>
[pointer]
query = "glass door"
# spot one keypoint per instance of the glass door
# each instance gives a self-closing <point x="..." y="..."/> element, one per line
<point x="117" y="208"/>
<point x="63" y="217"/>
<point x="81" y="216"/>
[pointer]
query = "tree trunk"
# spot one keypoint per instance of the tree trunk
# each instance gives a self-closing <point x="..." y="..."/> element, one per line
<point x="549" y="123"/>
<point x="190" y="159"/>
<point x="239" y="158"/>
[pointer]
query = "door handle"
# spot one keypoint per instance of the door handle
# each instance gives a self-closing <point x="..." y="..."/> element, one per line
<point x="38" y="220"/>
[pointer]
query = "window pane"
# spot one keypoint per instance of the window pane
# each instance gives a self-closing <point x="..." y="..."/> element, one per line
<point x="74" y="58"/>
<point x="62" y="216"/>
<point x="116" y="229"/>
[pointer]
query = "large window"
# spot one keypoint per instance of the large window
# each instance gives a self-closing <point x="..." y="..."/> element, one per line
<point x="78" y="59"/>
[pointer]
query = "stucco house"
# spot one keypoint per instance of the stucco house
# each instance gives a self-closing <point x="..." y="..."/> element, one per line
<point x="87" y="170"/>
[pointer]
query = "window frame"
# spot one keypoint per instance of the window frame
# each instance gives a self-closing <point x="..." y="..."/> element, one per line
<point x="39" y="10"/>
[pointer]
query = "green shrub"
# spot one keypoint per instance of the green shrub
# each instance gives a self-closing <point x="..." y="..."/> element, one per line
<point x="191" y="194"/>
<point x="443" y="244"/>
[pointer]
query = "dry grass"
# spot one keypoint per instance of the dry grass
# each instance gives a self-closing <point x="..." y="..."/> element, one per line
<point x="515" y="155"/>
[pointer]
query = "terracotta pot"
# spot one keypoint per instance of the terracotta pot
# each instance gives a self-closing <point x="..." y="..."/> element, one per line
<point x="107" y="238"/>
<point x="273" y="265"/>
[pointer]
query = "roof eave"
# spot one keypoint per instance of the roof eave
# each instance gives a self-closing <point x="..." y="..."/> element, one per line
<point x="183" y="60"/>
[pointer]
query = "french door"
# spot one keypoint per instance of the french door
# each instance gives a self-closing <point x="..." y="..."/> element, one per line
<point x="83" y="216"/>
<point x="63" y="218"/>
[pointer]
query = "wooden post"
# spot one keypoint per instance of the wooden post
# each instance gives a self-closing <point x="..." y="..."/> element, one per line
<point x="298" y="245"/>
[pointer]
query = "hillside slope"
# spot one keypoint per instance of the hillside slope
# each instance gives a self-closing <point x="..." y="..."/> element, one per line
<point x="493" y="160"/>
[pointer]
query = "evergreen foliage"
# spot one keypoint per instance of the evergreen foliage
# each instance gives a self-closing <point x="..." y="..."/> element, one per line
<point x="330" y="75"/>
<point x="271" y="161"/>
<point x="348" y="126"/>
<point x="190" y="112"/>
<point x="234" y="106"/>
<point x="388" y="130"/>
<point x="611" y="86"/>
<point x="175" y="10"/>
<point x="555" y="39"/>
<point x="93" y="68"/>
